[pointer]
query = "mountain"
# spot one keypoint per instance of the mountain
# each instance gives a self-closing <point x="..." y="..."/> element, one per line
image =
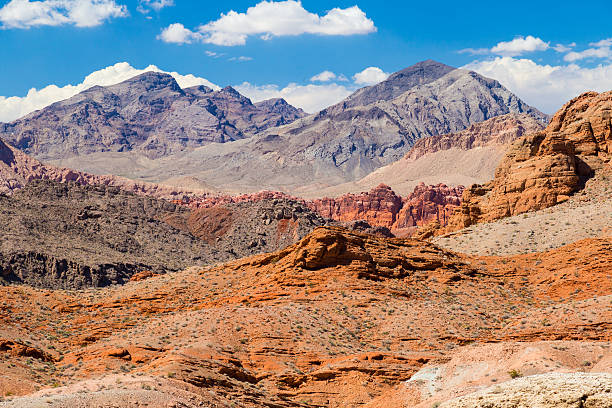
<point x="462" y="158"/>
<point x="342" y="143"/>
<point x="150" y="129"/>
<point x="421" y="73"/>
<point x="149" y="113"/>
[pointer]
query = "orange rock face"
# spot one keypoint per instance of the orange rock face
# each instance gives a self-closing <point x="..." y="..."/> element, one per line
<point x="336" y="320"/>
<point x="544" y="168"/>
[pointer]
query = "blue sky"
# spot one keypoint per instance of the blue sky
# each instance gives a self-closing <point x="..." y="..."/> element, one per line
<point x="60" y="42"/>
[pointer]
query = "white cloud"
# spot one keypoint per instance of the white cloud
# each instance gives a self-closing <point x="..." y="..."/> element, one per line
<point x="519" y="46"/>
<point x="546" y="87"/>
<point x="370" y="76"/>
<point x="270" y="19"/>
<point x="212" y="54"/>
<point x="474" y="51"/>
<point x="324" y="76"/>
<point x="81" y="13"/>
<point x="564" y="48"/>
<point x="242" y="58"/>
<point x="311" y="98"/>
<point x="145" y="6"/>
<point x="603" y="43"/>
<point x="177" y="33"/>
<point x="15" y="107"/>
<point x="603" y="52"/>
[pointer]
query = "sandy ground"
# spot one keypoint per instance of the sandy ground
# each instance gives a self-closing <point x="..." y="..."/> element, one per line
<point x="588" y="214"/>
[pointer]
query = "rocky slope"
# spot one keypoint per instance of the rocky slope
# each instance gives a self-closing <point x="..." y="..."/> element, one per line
<point x="71" y="236"/>
<point x="340" y="144"/>
<point x="339" y="319"/>
<point x="382" y="207"/>
<point x="149" y="113"/>
<point x="501" y="130"/>
<point x="17" y="169"/>
<point x="545" y="168"/>
<point x="462" y="158"/>
<point x="586" y="214"/>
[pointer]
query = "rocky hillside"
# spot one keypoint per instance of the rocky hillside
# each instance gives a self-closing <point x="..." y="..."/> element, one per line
<point x="17" y="169"/>
<point x="462" y="158"/>
<point x="545" y="168"/>
<point x="501" y="130"/>
<point x="339" y="319"/>
<point x="149" y="113"/>
<point x="342" y="143"/>
<point x="72" y="236"/>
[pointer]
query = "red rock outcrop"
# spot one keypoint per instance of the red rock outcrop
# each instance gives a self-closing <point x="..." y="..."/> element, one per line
<point x="427" y="204"/>
<point x="382" y="207"/>
<point x="379" y="206"/>
<point x="545" y="168"/>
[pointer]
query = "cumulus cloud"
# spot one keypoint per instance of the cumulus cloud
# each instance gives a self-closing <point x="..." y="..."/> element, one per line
<point x="603" y="43"/>
<point x="370" y="76"/>
<point x="81" y="13"/>
<point x="546" y="87"/>
<point x="144" y="6"/>
<point x="177" y="33"/>
<point x="269" y="19"/>
<point x="602" y="52"/>
<point x="601" y="49"/>
<point x="312" y="98"/>
<point x="324" y="76"/>
<point x="520" y="46"/>
<point x="15" y="107"/>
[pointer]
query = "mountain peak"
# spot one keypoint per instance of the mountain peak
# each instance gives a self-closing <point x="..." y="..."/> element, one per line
<point x="420" y="73"/>
<point x="230" y="90"/>
<point x="150" y="81"/>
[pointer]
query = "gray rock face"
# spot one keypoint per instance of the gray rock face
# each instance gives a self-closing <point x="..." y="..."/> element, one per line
<point x="149" y="113"/>
<point x="419" y="74"/>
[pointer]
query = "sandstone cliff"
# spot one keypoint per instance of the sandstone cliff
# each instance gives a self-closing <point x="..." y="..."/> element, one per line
<point x="545" y="168"/>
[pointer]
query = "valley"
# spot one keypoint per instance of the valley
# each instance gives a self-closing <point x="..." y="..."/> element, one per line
<point x="429" y="241"/>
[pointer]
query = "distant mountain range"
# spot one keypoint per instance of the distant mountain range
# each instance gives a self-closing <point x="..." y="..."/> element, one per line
<point x="149" y="113"/>
<point x="148" y="128"/>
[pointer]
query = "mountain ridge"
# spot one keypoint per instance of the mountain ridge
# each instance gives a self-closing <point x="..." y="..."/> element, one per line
<point x="149" y="113"/>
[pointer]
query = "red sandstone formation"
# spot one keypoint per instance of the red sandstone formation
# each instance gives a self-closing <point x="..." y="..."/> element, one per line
<point x="382" y="207"/>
